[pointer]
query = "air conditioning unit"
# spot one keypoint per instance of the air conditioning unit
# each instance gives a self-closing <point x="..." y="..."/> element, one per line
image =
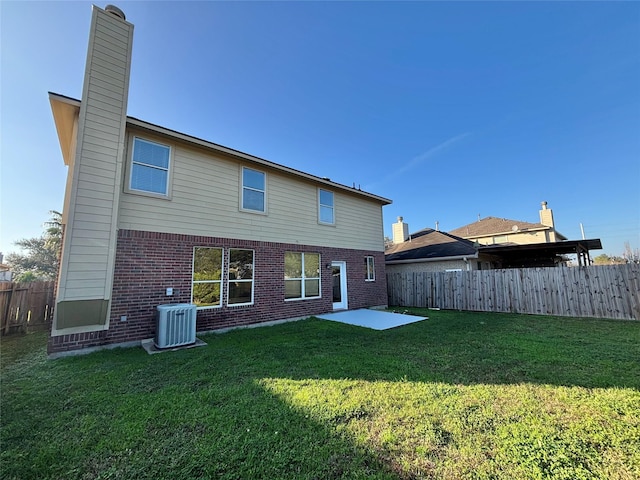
<point x="175" y="325"/>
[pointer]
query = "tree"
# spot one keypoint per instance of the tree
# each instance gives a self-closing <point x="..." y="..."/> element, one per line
<point x="631" y="255"/>
<point x="604" y="259"/>
<point x="42" y="257"/>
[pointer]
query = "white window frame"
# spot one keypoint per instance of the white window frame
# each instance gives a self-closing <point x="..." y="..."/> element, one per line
<point x="220" y="282"/>
<point x="243" y="187"/>
<point x="129" y="187"/>
<point x="252" y="280"/>
<point x="370" y="265"/>
<point x="322" y="205"/>
<point x="303" y="278"/>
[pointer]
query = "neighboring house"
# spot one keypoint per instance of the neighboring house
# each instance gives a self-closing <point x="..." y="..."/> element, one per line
<point x="153" y="216"/>
<point x="492" y="230"/>
<point x="516" y="244"/>
<point x="430" y="250"/>
<point x="5" y="271"/>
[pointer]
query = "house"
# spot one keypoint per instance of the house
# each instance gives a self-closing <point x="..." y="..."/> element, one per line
<point x="5" y="270"/>
<point x="517" y="244"/>
<point x="430" y="250"/>
<point x="492" y="230"/>
<point x="153" y="216"/>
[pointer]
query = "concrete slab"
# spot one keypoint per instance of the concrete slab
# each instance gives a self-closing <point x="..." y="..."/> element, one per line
<point x="375" y="319"/>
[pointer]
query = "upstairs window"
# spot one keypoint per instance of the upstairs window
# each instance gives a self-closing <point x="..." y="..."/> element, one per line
<point x="206" y="289"/>
<point x="254" y="190"/>
<point x="326" y="211"/>
<point x="150" y="167"/>
<point x="370" y="269"/>
<point x="240" y="283"/>
<point x="301" y="275"/>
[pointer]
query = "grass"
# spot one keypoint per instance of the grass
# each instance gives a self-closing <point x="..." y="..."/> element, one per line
<point x="461" y="395"/>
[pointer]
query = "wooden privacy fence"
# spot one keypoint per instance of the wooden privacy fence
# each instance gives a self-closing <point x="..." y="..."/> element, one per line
<point x="25" y="305"/>
<point x="602" y="291"/>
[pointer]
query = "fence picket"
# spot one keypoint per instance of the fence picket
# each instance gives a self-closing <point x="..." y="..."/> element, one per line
<point x="25" y="305"/>
<point x="610" y="291"/>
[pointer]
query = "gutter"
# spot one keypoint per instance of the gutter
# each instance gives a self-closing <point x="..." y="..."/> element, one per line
<point x="436" y="259"/>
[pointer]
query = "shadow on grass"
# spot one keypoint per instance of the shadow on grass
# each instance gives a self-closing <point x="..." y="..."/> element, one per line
<point x="222" y="412"/>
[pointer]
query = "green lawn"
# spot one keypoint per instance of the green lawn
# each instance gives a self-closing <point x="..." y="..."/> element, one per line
<point x="461" y="395"/>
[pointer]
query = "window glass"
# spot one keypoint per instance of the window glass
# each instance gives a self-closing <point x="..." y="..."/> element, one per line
<point x="312" y="288"/>
<point x="150" y="167"/>
<point x="369" y="266"/>
<point x="253" y="190"/>
<point x="253" y="200"/>
<point x="301" y="275"/>
<point x="325" y="207"/>
<point x="240" y="284"/>
<point x="207" y="276"/>
<point x="206" y="294"/>
<point x="253" y="179"/>
<point x="292" y="289"/>
<point x="326" y="198"/>
<point x="292" y="265"/>
<point x="312" y="265"/>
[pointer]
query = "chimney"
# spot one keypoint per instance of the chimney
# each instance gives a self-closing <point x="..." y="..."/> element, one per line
<point x="546" y="216"/>
<point x="400" y="231"/>
<point x="437" y="226"/>
<point x="84" y="294"/>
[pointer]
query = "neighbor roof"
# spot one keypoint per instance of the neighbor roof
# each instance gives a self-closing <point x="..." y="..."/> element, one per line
<point x="497" y="226"/>
<point x="429" y="244"/>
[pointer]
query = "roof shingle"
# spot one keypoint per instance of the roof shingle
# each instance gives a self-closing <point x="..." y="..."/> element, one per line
<point x="430" y="244"/>
<point x="493" y="226"/>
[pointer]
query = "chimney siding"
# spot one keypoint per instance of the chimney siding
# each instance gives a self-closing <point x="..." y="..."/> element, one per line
<point x="400" y="231"/>
<point x="88" y="257"/>
<point x="546" y="216"/>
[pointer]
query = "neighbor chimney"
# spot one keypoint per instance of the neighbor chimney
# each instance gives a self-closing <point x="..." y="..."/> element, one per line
<point x="95" y="179"/>
<point x="546" y="216"/>
<point x="400" y="231"/>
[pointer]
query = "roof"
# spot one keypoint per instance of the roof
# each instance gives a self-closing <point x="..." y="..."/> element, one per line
<point x="66" y="108"/>
<point x="429" y="244"/>
<point x="495" y="226"/>
<point x="567" y="246"/>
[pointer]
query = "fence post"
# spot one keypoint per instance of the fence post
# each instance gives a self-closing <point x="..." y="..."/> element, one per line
<point x="7" y="323"/>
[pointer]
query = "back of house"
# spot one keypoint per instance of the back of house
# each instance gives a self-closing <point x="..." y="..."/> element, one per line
<point x="153" y="216"/>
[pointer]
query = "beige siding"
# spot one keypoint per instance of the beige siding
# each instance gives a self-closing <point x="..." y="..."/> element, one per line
<point x="520" y="238"/>
<point x="205" y="200"/>
<point x="431" y="266"/>
<point x="95" y="186"/>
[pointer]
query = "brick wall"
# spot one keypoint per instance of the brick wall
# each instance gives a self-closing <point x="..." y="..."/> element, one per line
<point x="147" y="263"/>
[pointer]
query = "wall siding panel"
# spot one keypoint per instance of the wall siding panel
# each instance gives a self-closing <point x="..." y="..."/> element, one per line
<point x="205" y="200"/>
<point x="94" y="194"/>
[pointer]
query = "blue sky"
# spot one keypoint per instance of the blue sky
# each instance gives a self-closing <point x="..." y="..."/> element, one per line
<point x="451" y="109"/>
